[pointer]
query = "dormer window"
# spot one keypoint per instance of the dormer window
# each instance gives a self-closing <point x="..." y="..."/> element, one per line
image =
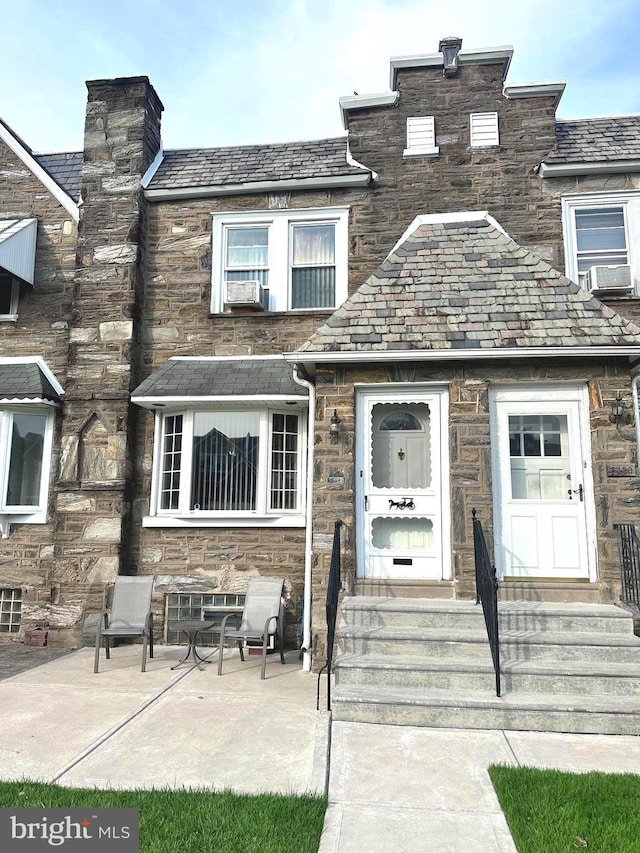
<point x="421" y="137"/>
<point x="484" y="130"/>
<point x="9" y="290"/>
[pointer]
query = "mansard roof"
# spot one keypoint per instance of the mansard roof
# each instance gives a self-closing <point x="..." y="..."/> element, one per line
<point x="251" y="164"/>
<point x="596" y="140"/>
<point x="459" y="282"/>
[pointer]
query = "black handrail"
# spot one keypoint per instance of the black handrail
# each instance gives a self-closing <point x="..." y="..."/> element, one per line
<point x="334" y="585"/>
<point x="487" y="593"/>
<point x="629" y="546"/>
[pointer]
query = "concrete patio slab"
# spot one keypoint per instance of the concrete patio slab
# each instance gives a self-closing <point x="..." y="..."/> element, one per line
<point x="185" y="727"/>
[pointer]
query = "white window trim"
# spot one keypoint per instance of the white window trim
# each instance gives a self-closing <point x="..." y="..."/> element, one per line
<point x="630" y="203"/>
<point x="491" y="143"/>
<point x="261" y="517"/>
<point x="413" y="125"/>
<point x="12" y="315"/>
<point x="25" y="514"/>
<point x="279" y="223"/>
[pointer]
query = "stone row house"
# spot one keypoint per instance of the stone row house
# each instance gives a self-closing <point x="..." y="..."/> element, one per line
<point x="209" y="356"/>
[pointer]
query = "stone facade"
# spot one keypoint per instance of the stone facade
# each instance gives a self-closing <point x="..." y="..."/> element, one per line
<point x="130" y="287"/>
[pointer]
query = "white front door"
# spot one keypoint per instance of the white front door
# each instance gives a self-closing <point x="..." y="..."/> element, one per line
<point x="401" y="462"/>
<point x="543" y="484"/>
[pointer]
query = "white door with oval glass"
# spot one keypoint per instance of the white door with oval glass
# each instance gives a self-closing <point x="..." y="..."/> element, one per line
<point x="544" y="486"/>
<point x="400" y="467"/>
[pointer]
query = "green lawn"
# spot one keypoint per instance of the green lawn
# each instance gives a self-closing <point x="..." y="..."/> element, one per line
<point x="194" y="821"/>
<point x="553" y="812"/>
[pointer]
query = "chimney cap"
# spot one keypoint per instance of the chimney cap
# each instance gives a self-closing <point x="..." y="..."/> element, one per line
<point x="450" y="48"/>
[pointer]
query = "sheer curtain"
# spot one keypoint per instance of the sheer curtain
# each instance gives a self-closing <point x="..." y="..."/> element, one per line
<point x="313" y="271"/>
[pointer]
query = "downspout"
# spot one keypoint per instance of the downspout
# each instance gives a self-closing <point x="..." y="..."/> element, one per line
<point x="635" y="381"/>
<point x="308" y="545"/>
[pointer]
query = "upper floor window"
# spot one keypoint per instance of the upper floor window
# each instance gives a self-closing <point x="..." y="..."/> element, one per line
<point x="9" y="290"/>
<point x="484" y="130"/>
<point x="601" y="254"/>
<point x="242" y="464"/>
<point x="280" y="260"/>
<point x="421" y="137"/>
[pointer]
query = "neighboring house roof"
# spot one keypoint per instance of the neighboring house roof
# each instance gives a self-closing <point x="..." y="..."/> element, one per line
<point x="40" y="171"/>
<point x="459" y="282"/>
<point x="26" y="380"/>
<point x="65" y="169"/>
<point x="322" y="159"/>
<point x="264" y="377"/>
<point x="597" y="140"/>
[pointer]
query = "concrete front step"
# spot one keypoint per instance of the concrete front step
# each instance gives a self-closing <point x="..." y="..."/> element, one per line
<point x="533" y="677"/>
<point x="373" y="611"/>
<point x="444" y="708"/>
<point x="440" y="643"/>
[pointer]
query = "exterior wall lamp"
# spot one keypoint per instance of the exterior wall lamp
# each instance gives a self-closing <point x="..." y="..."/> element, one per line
<point x="334" y="428"/>
<point x="450" y="48"/>
<point x="617" y="409"/>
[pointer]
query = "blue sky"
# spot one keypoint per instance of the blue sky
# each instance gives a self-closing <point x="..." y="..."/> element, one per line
<point x="249" y="71"/>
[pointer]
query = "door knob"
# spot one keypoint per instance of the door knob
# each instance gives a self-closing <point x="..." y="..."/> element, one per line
<point x="579" y="491"/>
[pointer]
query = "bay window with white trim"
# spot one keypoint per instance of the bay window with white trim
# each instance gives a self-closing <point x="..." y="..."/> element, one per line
<point x="230" y="464"/>
<point x="299" y="257"/>
<point x="26" y="437"/>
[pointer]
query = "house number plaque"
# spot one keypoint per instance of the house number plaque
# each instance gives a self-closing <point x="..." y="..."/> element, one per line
<point x="629" y="470"/>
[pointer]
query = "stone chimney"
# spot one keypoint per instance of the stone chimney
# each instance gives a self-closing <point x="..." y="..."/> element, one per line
<point x="121" y="140"/>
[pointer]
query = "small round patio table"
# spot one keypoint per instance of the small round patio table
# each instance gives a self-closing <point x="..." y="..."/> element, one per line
<point x="191" y="628"/>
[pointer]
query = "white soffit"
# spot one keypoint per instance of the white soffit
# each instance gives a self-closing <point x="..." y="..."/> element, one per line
<point x="536" y="90"/>
<point x="482" y="56"/>
<point x="41" y="174"/>
<point x="18" y="247"/>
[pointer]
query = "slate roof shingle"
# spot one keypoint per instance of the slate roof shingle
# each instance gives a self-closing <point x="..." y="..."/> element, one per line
<point x="467" y="285"/>
<point x="65" y="169"/>
<point x="203" y="167"/>
<point x="596" y="140"/>
<point x="224" y="377"/>
<point x="25" y="381"/>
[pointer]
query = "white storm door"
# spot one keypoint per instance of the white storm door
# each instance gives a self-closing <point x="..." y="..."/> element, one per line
<point x="543" y="474"/>
<point x="400" y="466"/>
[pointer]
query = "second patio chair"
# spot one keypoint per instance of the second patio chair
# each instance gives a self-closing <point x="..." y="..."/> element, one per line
<point x="262" y="618"/>
<point x="130" y="616"/>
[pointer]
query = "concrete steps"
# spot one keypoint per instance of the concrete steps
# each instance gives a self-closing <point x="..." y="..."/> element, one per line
<point x="565" y="666"/>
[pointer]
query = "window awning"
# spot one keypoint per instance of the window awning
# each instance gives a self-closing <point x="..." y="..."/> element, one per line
<point x="18" y="248"/>
<point x="239" y="381"/>
<point x="28" y="381"/>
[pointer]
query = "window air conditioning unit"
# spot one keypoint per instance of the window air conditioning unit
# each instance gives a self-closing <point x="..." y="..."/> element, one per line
<point x="616" y="278"/>
<point x="245" y="294"/>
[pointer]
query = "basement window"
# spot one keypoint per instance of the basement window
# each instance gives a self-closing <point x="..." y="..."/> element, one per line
<point x="10" y="610"/>
<point x="183" y="607"/>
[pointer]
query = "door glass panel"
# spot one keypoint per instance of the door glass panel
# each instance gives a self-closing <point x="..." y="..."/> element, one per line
<point x="539" y="457"/>
<point x="402" y="534"/>
<point x="401" y="446"/>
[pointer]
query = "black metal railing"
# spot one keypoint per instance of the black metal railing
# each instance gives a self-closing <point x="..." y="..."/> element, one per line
<point x="487" y="593"/>
<point x="629" y="545"/>
<point x="334" y="586"/>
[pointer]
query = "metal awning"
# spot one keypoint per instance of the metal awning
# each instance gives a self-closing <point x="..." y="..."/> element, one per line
<point x="18" y="248"/>
<point x="28" y="381"/>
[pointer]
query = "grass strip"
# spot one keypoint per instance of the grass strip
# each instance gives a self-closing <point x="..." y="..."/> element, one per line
<point x="193" y="821"/>
<point x="549" y="811"/>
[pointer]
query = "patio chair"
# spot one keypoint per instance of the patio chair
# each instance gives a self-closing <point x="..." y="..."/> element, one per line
<point x="261" y="619"/>
<point x="130" y="616"/>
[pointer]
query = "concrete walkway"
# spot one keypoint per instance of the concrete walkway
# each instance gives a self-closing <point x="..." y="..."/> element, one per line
<point x="391" y="788"/>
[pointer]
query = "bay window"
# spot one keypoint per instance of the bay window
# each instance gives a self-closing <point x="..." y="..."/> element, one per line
<point x="298" y="257"/>
<point x="221" y="463"/>
<point x="25" y="452"/>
